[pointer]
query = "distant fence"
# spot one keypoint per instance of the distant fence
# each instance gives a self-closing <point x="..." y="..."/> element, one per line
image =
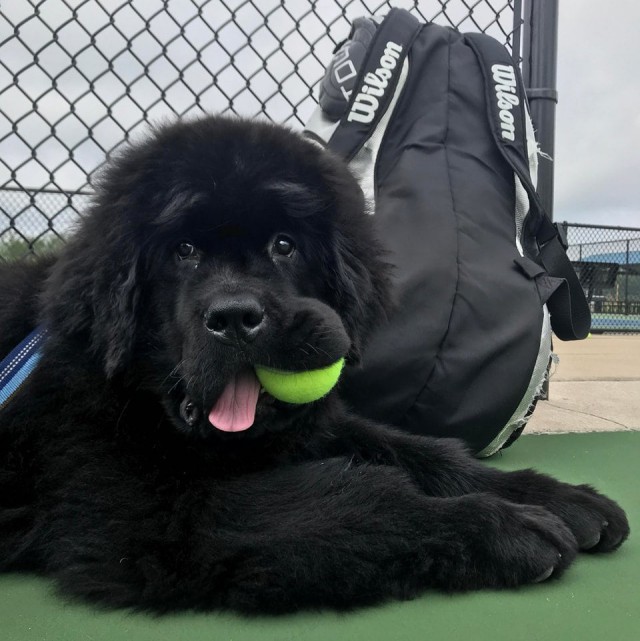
<point x="607" y="260"/>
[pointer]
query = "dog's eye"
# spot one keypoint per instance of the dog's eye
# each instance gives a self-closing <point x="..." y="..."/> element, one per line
<point x="185" y="250"/>
<point x="283" y="245"/>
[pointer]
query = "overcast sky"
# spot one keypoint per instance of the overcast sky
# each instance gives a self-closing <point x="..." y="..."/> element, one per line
<point x="597" y="166"/>
<point x="130" y="71"/>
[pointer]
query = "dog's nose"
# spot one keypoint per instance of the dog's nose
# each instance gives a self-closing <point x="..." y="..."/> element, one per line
<point x="235" y="319"/>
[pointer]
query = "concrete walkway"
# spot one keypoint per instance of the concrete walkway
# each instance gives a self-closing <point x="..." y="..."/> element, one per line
<point x="595" y="387"/>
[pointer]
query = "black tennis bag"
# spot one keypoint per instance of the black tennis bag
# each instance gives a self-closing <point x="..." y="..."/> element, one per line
<point x="435" y="125"/>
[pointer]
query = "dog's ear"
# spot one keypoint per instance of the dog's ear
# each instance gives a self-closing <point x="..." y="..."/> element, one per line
<point x="92" y="293"/>
<point x="361" y="287"/>
<point x="115" y="308"/>
<point x="355" y="266"/>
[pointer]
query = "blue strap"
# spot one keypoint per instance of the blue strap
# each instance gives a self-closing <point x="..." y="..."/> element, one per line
<point x="19" y="363"/>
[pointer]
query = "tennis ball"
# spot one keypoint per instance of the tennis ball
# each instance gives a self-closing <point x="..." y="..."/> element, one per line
<point x="299" y="387"/>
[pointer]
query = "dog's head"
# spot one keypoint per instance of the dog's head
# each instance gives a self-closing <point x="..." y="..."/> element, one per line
<point x="214" y="246"/>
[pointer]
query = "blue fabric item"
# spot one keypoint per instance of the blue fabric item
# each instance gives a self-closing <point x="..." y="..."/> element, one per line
<point x="19" y="363"/>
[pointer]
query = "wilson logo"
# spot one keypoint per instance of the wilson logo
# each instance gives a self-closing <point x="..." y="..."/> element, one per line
<point x="504" y="77"/>
<point x="375" y="85"/>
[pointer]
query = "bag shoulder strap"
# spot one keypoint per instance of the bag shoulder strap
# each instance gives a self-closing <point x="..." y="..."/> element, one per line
<point x="570" y="313"/>
<point x="506" y="105"/>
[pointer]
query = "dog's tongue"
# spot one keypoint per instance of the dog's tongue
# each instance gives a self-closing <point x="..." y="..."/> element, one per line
<point x="235" y="410"/>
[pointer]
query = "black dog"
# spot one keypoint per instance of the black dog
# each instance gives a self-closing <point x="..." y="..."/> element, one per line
<point x="142" y="466"/>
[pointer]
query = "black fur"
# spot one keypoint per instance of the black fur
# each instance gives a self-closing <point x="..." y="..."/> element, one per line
<point x="112" y="487"/>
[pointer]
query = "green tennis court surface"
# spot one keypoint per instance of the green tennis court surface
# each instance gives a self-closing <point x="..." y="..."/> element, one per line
<point x="598" y="599"/>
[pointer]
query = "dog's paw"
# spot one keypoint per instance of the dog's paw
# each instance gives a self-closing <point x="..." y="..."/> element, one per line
<point x="498" y="544"/>
<point x="598" y="523"/>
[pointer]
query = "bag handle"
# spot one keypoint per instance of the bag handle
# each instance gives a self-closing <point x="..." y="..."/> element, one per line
<point x="376" y="82"/>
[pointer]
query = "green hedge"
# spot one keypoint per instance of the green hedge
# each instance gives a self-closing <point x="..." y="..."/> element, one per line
<point x="15" y="248"/>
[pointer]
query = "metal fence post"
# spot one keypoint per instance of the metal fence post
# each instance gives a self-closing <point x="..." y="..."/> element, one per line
<point x="626" y="279"/>
<point x="539" y="60"/>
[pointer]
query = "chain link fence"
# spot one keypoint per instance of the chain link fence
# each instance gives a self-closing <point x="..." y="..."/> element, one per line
<point x="607" y="260"/>
<point x="80" y="77"/>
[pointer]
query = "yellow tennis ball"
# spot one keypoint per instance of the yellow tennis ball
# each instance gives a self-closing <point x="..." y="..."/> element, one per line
<point x="300" y="387"/>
